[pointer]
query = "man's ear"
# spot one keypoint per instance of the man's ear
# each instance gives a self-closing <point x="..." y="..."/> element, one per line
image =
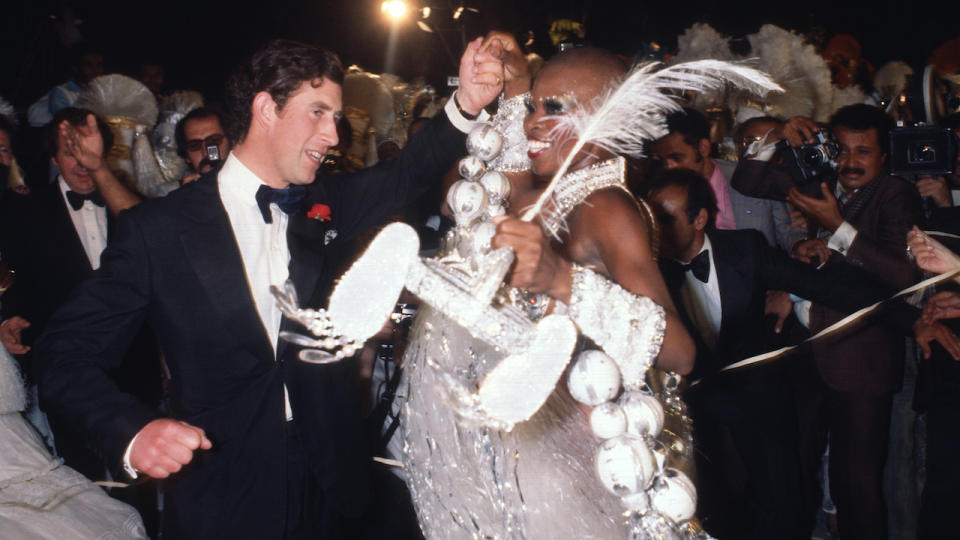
<point x="700" y="222"/>
<point x="704" y="147"/>
<point x="264" y="110"/>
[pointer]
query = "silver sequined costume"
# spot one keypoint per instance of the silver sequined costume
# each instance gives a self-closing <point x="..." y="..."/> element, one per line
<point x="536" y="481"/>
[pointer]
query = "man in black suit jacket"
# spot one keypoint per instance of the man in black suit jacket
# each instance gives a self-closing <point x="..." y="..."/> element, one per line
<point x="744" y="421"/>
<point x="69" y="222"/>
<point x="270" y="447"/>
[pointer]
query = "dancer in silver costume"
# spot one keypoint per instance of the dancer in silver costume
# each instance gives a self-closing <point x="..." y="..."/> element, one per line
<point x="540" y="480"/>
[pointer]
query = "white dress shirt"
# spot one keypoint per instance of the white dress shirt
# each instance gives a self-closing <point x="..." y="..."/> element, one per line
<point x="90" y="222"/>
<point x="702" y="300"/>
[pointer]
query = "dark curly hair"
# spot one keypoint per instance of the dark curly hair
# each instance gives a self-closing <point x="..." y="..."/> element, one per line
<point x="76" y="117"/>
<point x="699" y="193"/>
<point x="278" y="68"/>
<point x="691" y="124"/>
<point x="861" y="117"/>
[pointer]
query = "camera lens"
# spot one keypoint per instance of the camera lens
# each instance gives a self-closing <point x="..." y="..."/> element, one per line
<point x="925" y="153"/>
<point x="811" y="157"/>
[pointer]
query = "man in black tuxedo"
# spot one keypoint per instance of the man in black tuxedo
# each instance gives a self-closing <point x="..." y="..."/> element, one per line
<point x="257" y="444"/>
<point x="69" y="222"/>
<point x="745" y="425"/>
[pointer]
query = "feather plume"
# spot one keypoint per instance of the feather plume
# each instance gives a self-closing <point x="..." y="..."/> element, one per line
<point x="622" y="118"/>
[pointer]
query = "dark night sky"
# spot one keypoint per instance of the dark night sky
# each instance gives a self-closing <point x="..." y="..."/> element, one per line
<point x="199" y="41"/>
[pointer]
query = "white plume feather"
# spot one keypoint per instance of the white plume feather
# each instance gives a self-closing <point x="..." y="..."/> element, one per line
<point x="622" y="118"/>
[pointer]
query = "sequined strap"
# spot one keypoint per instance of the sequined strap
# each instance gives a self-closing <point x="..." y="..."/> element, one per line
<point x="576" y="186"/>
<point x="628" y="327"/>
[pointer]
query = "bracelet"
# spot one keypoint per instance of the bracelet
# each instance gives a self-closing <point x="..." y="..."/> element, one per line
<point x="628" y="327"/>
<point x="462" y="112"/>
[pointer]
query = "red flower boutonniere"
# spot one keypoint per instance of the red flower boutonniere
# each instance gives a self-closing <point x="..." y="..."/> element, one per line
<point x="319" y="212"/>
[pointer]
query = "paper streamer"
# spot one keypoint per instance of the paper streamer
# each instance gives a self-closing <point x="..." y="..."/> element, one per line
<point x="853" y="317"/>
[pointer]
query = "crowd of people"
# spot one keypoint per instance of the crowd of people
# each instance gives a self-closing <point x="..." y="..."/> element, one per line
<point x="141" y="234"/>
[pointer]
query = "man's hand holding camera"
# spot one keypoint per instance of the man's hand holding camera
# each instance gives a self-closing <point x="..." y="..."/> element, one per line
<point x="825" y="211"/>
<point x="936" y="188"/>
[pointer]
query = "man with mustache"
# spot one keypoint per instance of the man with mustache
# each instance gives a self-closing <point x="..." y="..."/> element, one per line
<point x="862" y="219"/>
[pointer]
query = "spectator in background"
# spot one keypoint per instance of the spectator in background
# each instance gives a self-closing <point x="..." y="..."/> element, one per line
<point x="200" y="129"/>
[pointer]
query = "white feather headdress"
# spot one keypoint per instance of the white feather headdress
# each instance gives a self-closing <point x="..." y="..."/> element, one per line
<point x="621" y="119"/>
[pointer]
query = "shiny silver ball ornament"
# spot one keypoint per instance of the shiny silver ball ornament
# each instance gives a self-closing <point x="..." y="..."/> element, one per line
<point x="625" y="465"/>
<point x="608" y="420"/>
<point x="484" y="142"/>
<point x="594" y="378"/>
<point x="497" y="186"/>
<point x="468" y="200"/>
<point x="675" y="496"/>
<point x="472" y="168"/>
<point x="644" y="414"/>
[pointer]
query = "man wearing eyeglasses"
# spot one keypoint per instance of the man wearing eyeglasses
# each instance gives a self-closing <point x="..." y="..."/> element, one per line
<point x="201" y="142"/>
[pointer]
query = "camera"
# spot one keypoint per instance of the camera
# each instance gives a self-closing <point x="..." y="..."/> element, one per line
<point x="213" y="153"/>
<point x="814" y="162"/>
<point x="917" y="150"/>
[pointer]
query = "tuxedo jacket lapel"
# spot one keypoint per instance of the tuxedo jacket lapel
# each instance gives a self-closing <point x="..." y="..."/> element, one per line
<point x="212" y="250"/>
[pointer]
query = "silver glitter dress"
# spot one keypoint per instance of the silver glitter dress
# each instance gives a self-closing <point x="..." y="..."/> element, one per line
<point x="470" y="481"/>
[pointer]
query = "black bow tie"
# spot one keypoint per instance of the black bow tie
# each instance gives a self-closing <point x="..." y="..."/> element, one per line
<point x="700" y="266"/>
<point x="76" y="200"/>
<point x="288" y="199"/>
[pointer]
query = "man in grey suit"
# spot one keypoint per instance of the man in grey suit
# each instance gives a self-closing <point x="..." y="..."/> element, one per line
<point x="687" y="146"/>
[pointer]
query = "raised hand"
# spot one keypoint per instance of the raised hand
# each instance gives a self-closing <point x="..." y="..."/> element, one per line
<point x="165" y="445"/>
<point x="481" y="79"/>
<point x="502" y="47"/>
<point x="799" y="130"/>
<point x="84" y="142"/>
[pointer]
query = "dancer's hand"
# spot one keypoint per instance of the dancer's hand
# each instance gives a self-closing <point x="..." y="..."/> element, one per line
<point x="502" y="47"/>
<point x="538" y="267"/>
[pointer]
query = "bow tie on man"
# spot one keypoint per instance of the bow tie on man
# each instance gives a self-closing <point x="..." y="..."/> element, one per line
<point x="76" y="200"/>
<point x="700" y="266"/>
<point x="287" y="199"/>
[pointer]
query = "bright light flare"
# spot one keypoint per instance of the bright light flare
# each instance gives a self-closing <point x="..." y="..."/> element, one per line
<point x="394" y="9"/>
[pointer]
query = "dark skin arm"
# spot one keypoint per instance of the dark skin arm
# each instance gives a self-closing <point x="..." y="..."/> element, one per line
<point x="609" y="235"/>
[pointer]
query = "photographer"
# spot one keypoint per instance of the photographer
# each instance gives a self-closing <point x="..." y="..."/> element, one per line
<point x="860" y="215"/>
<point x="201" y="141"/>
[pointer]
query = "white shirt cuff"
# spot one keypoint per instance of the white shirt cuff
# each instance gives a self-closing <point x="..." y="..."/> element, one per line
<point x="842" y="238"/>
<point x="955" y="195"/>
<point x="458" y="120"/>
<point x="126" y="459"/>
<point x="802" y="310"/>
